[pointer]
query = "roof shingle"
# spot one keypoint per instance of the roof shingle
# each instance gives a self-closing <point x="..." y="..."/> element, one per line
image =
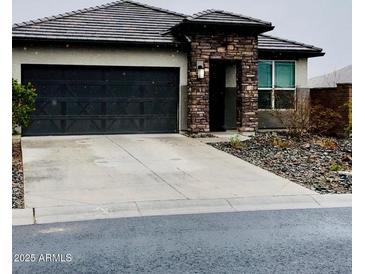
<point x="220" y="16"/>
<point x="268" y="42"/>
<point x="128" y="21"/>
<point x="121" y="21"/>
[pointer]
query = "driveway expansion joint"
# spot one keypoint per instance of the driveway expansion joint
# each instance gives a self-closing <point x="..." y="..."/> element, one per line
<point x="315" y="200"/>
<point x="148" y="168"/>
<point x="34" y="218"/>
<point x="138" y="209"/>
<point x="230" y="204"/>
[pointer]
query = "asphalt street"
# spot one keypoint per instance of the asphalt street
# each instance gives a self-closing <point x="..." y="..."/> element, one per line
<point x="282" y="241"/>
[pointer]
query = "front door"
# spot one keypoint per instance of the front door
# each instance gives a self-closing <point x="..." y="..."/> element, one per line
<point x="217" y="85"/>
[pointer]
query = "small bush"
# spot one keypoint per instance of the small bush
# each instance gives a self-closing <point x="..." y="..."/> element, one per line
<point x="279" y="142"/>
<point x="324" y="121"/>
<point x="311" y="118"/>
<point x="235" y="142"/>
<point x="336" y="167"/>
<point x="296" y="121"/>
<point x="23" y="103"/>
<point x="327" y="143"/>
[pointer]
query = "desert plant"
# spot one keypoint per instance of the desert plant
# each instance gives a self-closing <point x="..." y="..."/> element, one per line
<point x="296" y="121"/>
<point x="235" y="142"/>
<point x="327" y="143"/>
<point x="23" y="103"/>
<point x="279" y="142"/>
<point x="336" y="167"/>
<point x="324" y="121"/>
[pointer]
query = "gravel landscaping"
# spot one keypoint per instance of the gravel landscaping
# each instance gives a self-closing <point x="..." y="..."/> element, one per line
<point x="18" y="179"/>
<point x="200" y="135"/>
<point x="321" y="164"/>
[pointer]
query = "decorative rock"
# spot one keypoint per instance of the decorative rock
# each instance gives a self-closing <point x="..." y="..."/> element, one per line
<point x="301" y="161"/>
<point x="17" y="176"/>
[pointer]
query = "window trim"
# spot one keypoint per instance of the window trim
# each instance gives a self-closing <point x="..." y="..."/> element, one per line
<point x="273" y="88"/>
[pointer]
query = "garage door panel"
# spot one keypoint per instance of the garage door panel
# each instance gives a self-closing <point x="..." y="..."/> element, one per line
<point x="131" y="125"/>
<point x="124" y="90"/>
<point x="80" y="89"/>
<point x="47" y="107"/>
<point x="46" y="90"/>
<point x="117" y="108"/>
<point x="85" y="108"/>
<point x="160" y="123"/>
<point x="43" y="126"/>
<point x="97" y="100"/>
<point x="164" y="106"/>
<point x="84" y="74"/>
<point x="90" y="126"/>
<point x="41" y="73"/>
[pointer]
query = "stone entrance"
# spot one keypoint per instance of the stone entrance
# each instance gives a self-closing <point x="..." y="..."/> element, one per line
<point x="206" y="47"/>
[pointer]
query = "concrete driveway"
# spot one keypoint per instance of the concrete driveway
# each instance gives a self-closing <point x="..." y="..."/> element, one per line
<point x="97" y="170"/>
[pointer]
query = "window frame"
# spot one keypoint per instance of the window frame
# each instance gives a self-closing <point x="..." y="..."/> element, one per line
<point x="273" y="88"/>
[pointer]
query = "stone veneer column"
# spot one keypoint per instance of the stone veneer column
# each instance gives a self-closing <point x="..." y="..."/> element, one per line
<point x="198" y="90"/>
<point x="248" y="93"/>
<point x="221" y="46"/>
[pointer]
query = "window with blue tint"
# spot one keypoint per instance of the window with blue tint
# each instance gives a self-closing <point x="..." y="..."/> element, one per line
<point x="276" y="81"/>
<point x="265" y="74"/>
<point x="284" y="74"/>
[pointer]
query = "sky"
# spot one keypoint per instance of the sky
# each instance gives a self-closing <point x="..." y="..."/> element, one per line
<point x="323" y="23"/>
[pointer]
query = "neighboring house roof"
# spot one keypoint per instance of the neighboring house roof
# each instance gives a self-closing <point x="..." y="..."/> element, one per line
<point x="131" y="22"/>
<point x="343" y="75"/>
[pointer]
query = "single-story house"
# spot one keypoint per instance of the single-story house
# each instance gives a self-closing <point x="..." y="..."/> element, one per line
<point x="126" y="67"/>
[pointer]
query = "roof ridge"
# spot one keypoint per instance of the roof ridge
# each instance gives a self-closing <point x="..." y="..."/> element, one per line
<point x="208" y="11"/>
<point x="66" y="14"/>
<point x="291" y="41"/>
<point x="244" y="16"/>
<point x="155" y="8"/>
<point x="200" y="13"/>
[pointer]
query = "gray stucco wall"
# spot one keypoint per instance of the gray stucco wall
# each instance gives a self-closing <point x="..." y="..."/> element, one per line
<point x="105" y="56"/>
<point x="157" y="57"/>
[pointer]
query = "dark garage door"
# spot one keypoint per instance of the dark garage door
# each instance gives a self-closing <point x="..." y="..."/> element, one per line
<point x="98" y="100"/>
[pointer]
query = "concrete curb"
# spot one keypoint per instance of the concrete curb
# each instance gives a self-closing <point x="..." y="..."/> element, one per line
<point x="23" y="216"/>
<point x="177" y="207"/>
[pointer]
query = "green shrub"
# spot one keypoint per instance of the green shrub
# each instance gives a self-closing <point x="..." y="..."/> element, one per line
<point x="336" y="167"/>
<point x="23" y="103"/>
<point x="235" y="142"/>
